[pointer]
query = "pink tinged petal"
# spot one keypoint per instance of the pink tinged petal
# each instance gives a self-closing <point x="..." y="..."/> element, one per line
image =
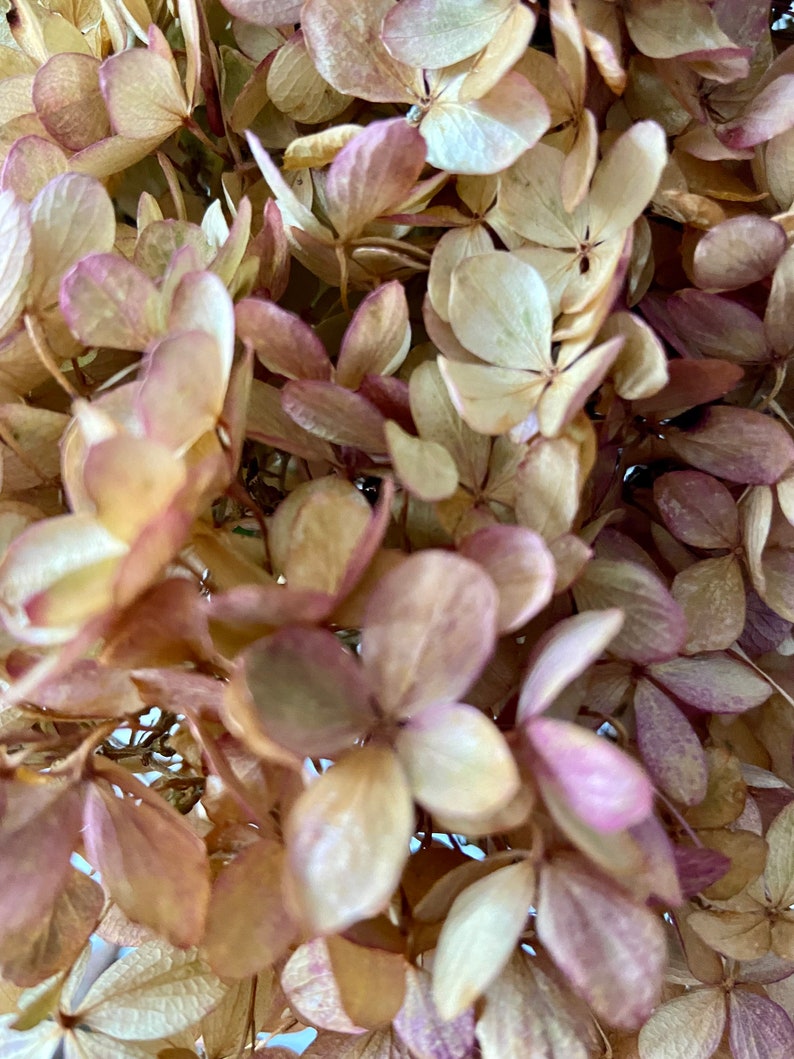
<point x="521" y="567"/>
<point x="131" y="480"/>
<point x="419" y="644"/>
<point x="335" y="414"/>
<point x="56" y="575"/>
<point x="71" y="217"/>
<point x="697" y="509"/>
<point x="611" y="948"/>
<point x="486" y="135"/>
<point x="372" y="173"/>
<point x="738" y="252"/>
<point x="669" y="745"/>
<point x="30" y="164"/>
<point x="759" y="1028"/>
<point x="777" y="318"/>
<point x="564" y="653"/>
<point x="281" y="340"/>
<point x="692" y="382"/>
<point x="738" y="444"/>
<point x="655" y="626"/>
<point x="308" y="692"/>
<point x="690" y="1025"/>
<point x="310" y="987"/>
<point x="714" y="683"/>
<point x="499" y="309"/>
<point x="768" y="114"/>
<point x="479" y="935"/>
<point x="603" y="786"/>
<point x="201" y="302"/>
<point x="268" y="422"/>
<point x="266" y="12"/>
<point x="143" y="93"/>
<point x="528" y="1011"/>
<point x="434" y="34"/>
<point x="182" y="391"/>
<point x="39" y="825"/>
<point x="421" y="1028"/>
<point x="17" y="258"/>
<point x="107" y="301"/>
<point x="153" y="865"/>
<point x="344" y="43"/>
<point x="699" y="867"/>
<point x="718" y="327"/>
<point x="626" y="179"/>
<point x="568" y="391"/>
<point x="377" y="338"/>
<point x="491" y="400"/>
<point x="347" y="840"/>
<point x="457" y="761"/>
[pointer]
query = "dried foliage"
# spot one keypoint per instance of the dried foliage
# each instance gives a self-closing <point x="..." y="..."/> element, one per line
<point x="397" y="528"/>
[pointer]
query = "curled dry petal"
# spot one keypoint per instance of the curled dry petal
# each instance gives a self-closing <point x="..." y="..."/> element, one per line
<point x="422" y="1029"/>
<point x="738" y="444"/>
<point x="15" y="235"/>
<point x="347" y="839"/>
<point x="419" y="645"/>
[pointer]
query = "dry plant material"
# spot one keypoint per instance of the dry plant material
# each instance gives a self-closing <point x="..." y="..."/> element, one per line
<point x="397" y="528"/>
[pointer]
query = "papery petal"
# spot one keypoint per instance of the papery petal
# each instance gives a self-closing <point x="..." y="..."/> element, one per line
<point x="603" y="786"/>
<point x="669" y="745"/>
<point x="491" y="400"/>
<point x="457" y="761"/>
<point x="759" y="1028"/>
<point x="281" y="340"/>
<point x="568" y="391"/>
<point x="562" y="654"/>
<point x="373" y="172"/>
<point x="626" y="179"/>
<point x="107" y="301"/>
<point x="345" y="45"/>
<point x="610" y="947"/>
<point x="347" y="839"/>
<point x="248" y="927"/>
<point x="655" y="627"/>
<point x="691" y="1024"/>
<point x="479" y="935"/>
<point x="144" y="95"/>
<point x="697" y="508"/>
<point x="307" y="692"/>
<point x="377" y="338"/>
<point x="738" y="252"/>
<point x="421" y="1028"/>
<point x="425" y="468"/>
<point x="766" y="115"/>
<point x="521" y="567"/>
<point x="335" y="414"/>
<point x="15" y="235"/>
<point x="779" y="870"/>
<point x="529" y="199"/>
<point x="714" y="683"/>
<point x="487" y="134"/>
<point x="711" y="594"/>
<point x="71" y="217"/>
<point x="434" y="34"/>
<point x="419" y="645"/>
<point x="499" y="309"/>
<point x="68" y="100"/>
